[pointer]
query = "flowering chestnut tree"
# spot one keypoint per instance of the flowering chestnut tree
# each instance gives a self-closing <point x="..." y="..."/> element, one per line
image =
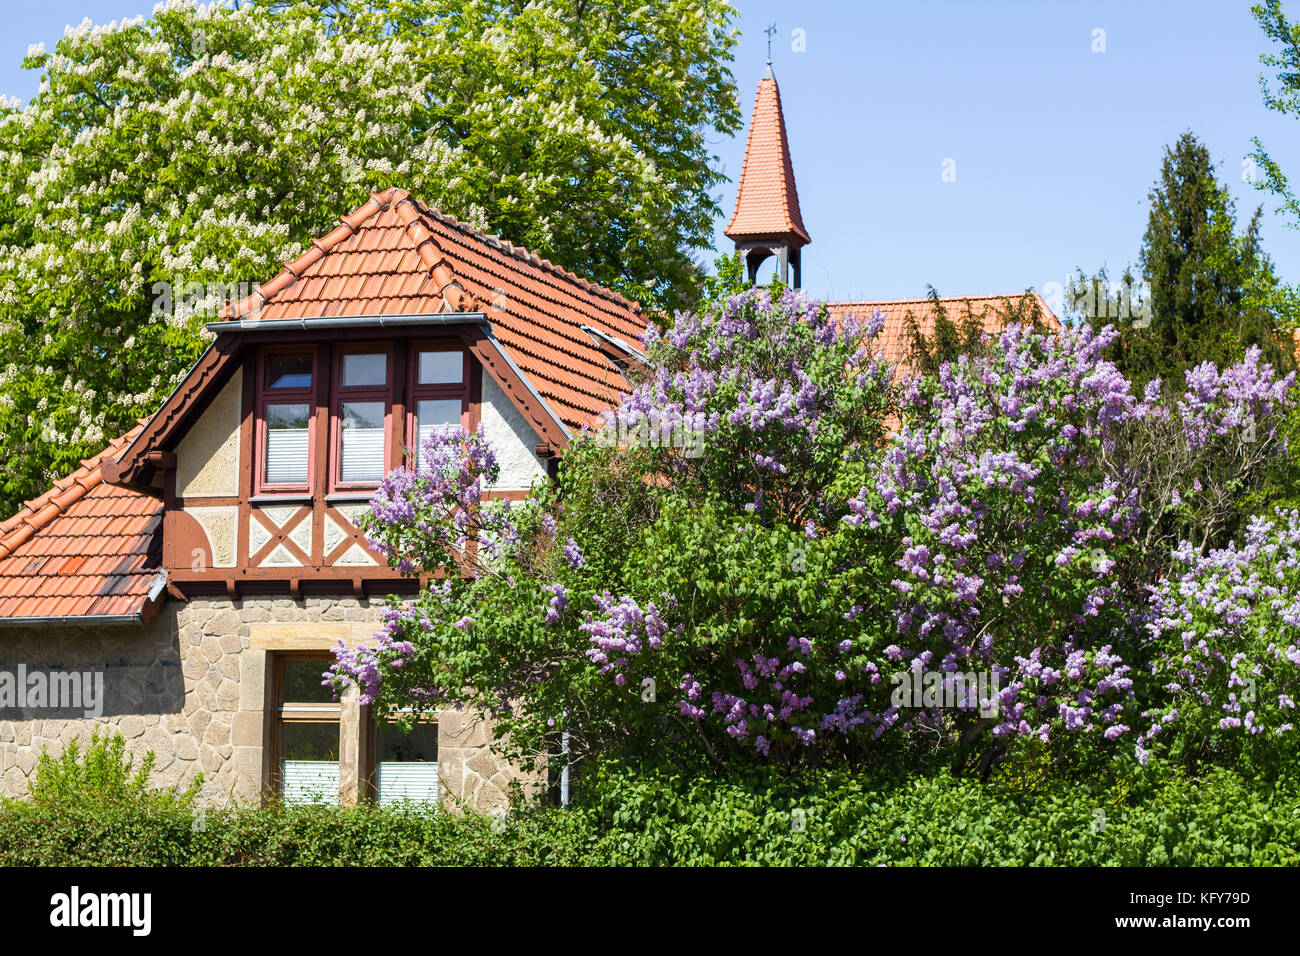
<point x="167" y="163"/>
<point x="777" y="530"/>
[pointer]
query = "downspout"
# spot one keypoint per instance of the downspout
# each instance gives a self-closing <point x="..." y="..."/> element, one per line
<point x="564" y="771"/>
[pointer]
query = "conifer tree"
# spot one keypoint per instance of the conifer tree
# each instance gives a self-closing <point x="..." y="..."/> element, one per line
<point x="1212" y="291"/>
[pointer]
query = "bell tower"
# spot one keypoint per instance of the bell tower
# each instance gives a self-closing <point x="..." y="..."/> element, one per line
<point x="767" y="221"/>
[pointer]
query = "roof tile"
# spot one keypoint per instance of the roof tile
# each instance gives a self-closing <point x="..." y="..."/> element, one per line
<point x="84" y="547"/>
<point x="893" y="339"/>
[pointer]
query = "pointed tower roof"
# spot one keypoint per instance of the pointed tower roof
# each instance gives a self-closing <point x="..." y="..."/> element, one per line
<point x="767" y="202"/>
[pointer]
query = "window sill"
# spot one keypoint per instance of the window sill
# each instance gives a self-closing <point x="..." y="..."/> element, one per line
<point x="349" y="496"/>
<point x="288" y="497"/>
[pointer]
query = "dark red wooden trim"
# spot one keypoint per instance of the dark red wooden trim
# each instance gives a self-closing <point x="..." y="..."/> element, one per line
<point x="397" y="412"/>
<point x="354" y="536"/>
<point x="521" y="396"/>
<point x="280" y="536"/>
<point x="133" y="467"/>
<point x="507" y="495"/>
<point x="320" y="466"/>
<point x="474" y="393"/>
<point x="247" y="462"/>
<point x="205" y="501"/>
<point x="305" y="574"/>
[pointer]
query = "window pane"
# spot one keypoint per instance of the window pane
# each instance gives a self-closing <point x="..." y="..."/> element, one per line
<point x="364" y="368"/>
<point x="309" y="764"/>
<point x="302" y="682"/>
<point x="362" y="430"/>
<point x="441" y="368"/>
<point x="431" y="414"/>
<point x="421" y="744"/>
<point x="408" y="763"/>
<point x="286" y="444"/>
<point x="289" y="371"/>
<point x="311" y="740"/>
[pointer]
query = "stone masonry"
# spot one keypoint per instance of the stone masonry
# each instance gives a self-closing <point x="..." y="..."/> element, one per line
<point x="193" y="686"/>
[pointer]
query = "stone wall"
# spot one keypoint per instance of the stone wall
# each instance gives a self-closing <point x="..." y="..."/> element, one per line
<point x="194" y="687"/>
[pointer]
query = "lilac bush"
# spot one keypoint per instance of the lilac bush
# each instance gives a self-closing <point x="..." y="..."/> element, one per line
<point x="436" y="521"/>
<point x="1007" y="532"/>
<point x="1224" y="638"/>
<point x="743" y="561"/>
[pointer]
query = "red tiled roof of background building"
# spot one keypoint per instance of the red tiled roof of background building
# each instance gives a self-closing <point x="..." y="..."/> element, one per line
<point x="84" y="548"/>
<point x="894" y="338"/>
<point x="767" y="202"/>
<point x="395" y="256"/>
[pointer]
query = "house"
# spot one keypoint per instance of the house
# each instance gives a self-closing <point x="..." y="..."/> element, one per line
<point x="201" y="567"/>
<point x="185" y="586"/>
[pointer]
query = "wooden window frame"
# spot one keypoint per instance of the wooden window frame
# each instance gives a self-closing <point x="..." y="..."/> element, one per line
<point x="310" y="711"/>
<point x="370" y="750"/>
<point x="265" y="396"/>
<point x="415" y="392"/>
<point x="358" y="393"/>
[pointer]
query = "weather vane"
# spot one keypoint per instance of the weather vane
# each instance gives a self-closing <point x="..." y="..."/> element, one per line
<point x="771" y="32"/>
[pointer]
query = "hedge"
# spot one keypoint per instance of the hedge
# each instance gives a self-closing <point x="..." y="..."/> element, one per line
<point x="927" y="818"/>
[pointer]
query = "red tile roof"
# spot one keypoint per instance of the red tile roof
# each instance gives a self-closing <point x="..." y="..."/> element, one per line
<point x="894" y="338"/>
<point x="395" y="256"/>
<point x="767" y="202"/>
<point x="84" y="548"/>
<point x="88" y="547"/>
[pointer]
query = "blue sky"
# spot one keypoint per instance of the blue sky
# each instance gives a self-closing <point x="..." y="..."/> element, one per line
<point x="1055" y="146"/>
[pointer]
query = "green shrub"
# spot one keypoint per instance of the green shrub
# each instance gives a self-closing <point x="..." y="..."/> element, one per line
<point x="1153" y="816"/>
<point x="102" y="778"/>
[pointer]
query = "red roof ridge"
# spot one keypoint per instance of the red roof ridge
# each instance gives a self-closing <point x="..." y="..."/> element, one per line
<point x="425" y="243"/>
<point x="40" y="511"/>
<point x="925" y="299"/>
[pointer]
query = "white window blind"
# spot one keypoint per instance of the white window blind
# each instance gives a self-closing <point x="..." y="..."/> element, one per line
<point x="286" y="444"/>
<point x="408" y="780"/>
<point x="362" y="442"/>
<point x="310" y="781"/>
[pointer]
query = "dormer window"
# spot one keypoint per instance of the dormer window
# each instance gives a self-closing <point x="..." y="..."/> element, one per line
<point x="286" y="403"/>
<point x="360" y="417"/>
<point x="350" y="392"/>
<point x="439" y="396"/>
